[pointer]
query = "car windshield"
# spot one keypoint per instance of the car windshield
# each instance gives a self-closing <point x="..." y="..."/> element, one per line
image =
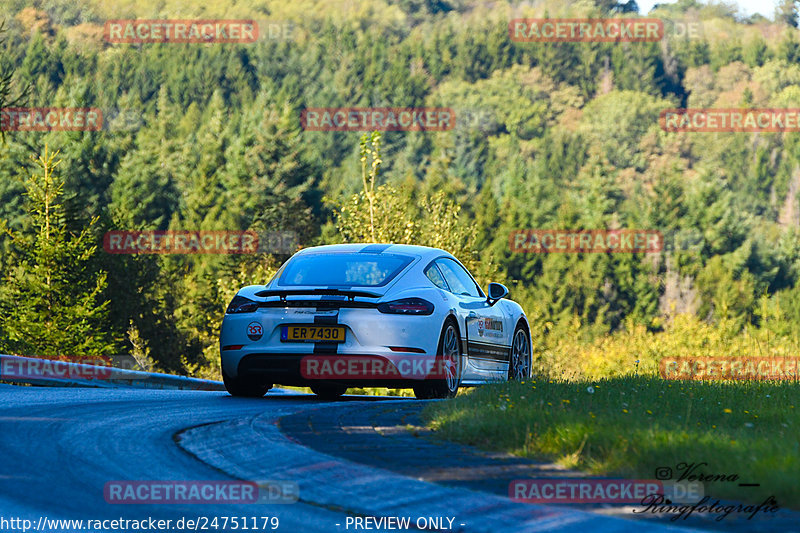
<point x="343" y="269"/>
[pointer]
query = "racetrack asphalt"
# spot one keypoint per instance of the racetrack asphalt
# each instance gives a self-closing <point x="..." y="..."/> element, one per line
<point x="61" y="446"/>
<point x="394" y="437"/>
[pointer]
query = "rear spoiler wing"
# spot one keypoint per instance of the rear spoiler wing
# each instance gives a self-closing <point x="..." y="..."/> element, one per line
<point x="283" y="293"/>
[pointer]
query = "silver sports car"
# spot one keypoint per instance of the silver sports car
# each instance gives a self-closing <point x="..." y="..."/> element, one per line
<point x="372" y="315"/>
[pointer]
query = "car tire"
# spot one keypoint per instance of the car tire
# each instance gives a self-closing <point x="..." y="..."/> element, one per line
<point x="244" y="387"/>
<point x="448" y="358"/>
<point x="328" y="391"/>
<point x="519" y="364"/>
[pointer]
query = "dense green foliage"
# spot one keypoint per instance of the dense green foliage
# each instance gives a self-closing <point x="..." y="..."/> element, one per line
<point x="548" y="135"/>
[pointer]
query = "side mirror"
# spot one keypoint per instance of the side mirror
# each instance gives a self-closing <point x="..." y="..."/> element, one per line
<point x="496" y="292"/>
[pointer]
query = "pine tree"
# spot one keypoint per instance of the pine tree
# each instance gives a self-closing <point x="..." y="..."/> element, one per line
<point x="50" y="300"/>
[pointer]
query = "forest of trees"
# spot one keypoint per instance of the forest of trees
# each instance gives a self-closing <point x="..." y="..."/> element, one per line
<point x="547" y="135"/>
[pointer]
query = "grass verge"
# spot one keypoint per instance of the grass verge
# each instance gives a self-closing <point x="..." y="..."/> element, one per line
<point x="630" y="426"/>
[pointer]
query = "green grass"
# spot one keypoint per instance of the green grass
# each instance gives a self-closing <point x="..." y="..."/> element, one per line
<point x="629" y="426"/>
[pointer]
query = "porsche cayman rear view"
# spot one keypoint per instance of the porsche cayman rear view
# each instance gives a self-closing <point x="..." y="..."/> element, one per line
<point x="372" y="315"/>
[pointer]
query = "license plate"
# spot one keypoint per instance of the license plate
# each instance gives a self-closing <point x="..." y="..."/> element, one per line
<point x="312" y="333"/>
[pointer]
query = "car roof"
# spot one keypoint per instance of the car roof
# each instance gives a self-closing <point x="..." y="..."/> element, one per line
<point x="424" y="252"/>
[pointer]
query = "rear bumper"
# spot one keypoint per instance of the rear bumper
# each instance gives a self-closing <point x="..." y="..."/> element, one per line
<point x="396" y="371"/>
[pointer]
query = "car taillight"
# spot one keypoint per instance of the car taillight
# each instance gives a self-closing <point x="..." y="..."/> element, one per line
<point x="232" y="347"/>
<point x="407" y="306"/>
<point x="240" y="304"/>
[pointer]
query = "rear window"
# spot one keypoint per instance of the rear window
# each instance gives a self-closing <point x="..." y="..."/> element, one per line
<point x="343" y="269"/>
